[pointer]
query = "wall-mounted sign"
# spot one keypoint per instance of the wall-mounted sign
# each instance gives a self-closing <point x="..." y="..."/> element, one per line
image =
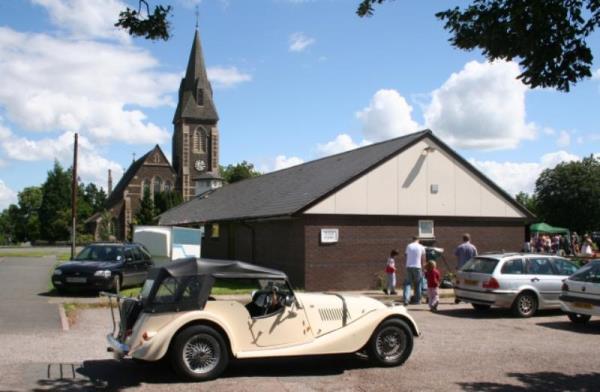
<point x="330" y="236"/>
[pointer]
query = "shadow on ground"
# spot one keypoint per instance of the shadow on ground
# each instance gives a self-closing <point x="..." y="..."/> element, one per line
<point x="591" y="328"/>
<point x="113" y="375"/>
<point x="542" y="381"/>
<point x="70" y="294"/>
<point x="493" y="313"/>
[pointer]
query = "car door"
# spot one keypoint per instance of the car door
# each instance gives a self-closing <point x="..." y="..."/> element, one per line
<point x="129" y="268"/>
<point x="287" y="325"/>
<point x="139" y="266"/>
<point x="543" y="278"/>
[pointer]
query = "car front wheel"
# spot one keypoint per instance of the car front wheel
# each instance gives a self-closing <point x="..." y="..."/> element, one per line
<point x="391" y="344"/>
<point x="579" y="318"/>
<point x="525" y="305"/>
<point x="199" y="353"/>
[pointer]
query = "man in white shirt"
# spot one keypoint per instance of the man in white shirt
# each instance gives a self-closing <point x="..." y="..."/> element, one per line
<point x="415" y="259"/>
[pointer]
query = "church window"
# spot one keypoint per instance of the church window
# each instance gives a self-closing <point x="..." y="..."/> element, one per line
<point x="200" y="97"/>
<point x="145" y="186"/>
<point x="157" y="185"/>
<point x="199" y="140"/>
<point x="168" y="186"/>
<point x="156" y="158"/>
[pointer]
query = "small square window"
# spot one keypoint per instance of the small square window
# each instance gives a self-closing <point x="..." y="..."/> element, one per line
<point x="426" y="229"/>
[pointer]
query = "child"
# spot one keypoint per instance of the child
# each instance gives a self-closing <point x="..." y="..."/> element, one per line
<point x="390" y="270"/>
<point x="433" y="283"/>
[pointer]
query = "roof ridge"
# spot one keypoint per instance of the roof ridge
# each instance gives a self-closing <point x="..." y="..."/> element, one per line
<point x="424" y="131"/>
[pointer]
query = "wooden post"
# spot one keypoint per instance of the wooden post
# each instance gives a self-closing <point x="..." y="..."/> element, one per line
<point x="74" y="188"/>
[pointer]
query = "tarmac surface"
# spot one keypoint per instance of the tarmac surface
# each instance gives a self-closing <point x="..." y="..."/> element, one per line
<point x="460" y="350"/>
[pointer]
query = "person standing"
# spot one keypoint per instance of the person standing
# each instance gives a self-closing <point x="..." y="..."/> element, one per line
<point x="465" y="251"/>
<point x="586" y="246"/>
<point x="433" y="283"/>
<point x="390" y="271"/>
<point x="415" y="259"/>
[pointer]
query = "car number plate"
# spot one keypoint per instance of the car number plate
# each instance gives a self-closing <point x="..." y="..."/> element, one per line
<point x="470" y="282"/>
<point x="582" y="305"/>
<point x="76" y="280"/>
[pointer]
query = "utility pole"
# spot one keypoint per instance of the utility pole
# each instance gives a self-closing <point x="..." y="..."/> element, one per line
<point x="74" y="188"/>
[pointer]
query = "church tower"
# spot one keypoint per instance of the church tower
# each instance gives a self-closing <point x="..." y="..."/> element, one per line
<point x="196" y="136"/>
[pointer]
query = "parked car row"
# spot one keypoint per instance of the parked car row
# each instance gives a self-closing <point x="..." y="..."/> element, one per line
<point x="527" y="282"/>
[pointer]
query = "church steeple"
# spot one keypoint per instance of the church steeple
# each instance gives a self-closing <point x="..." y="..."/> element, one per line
<point x="195" y="91"/>
<point x="196" y="137"/>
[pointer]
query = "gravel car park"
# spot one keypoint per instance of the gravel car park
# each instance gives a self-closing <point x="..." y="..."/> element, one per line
<point x="523" y="282"/>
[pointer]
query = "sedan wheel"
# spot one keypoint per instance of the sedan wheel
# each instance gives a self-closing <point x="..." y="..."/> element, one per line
<point x="525" y="305"/>
<point x="579" y="318"/>
<point x="391" y="344"/>
<point x="199" y="353"/>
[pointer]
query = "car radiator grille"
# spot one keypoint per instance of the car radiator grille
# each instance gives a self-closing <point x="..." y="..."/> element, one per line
<point x="332" y="314"/>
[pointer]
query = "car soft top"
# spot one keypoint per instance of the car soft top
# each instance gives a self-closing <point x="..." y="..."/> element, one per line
<point x="217" y="268"/>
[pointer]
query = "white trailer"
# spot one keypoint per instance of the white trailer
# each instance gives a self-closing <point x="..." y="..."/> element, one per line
<point x="166" y="243"/>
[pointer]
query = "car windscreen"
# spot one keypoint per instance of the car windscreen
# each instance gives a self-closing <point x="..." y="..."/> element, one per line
<point x="482" y="265"/>
<point x="100" y="253"/>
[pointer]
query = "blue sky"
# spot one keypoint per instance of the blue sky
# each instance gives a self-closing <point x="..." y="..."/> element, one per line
<point x="293" y="80"/>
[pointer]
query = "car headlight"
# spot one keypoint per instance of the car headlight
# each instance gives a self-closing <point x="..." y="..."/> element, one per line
<point x="102" y="273"/>
<point x="57" y="272"/>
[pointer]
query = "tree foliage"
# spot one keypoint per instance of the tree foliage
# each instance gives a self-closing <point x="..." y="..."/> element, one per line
<point x="547" y="37"/>
<point x="146" y="214"/>
<point x="55" y="206"/>
<point x="151" y="26"/>
<point x="528" y="201"/>
<point x="569" y="194"/>
<point x="166" y="200"/>
<point x="238" y="172"/>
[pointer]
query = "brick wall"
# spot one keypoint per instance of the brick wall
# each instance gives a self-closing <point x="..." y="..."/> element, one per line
<point x="358" y="259"/>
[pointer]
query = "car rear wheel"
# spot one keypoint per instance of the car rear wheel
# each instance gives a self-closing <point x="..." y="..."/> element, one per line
<point x="391" y="344"/>
<point x="480" y="307"/>
<point x="199" y="353"/>
<point x="525" y="305"/>
<point x="579" y="318"/>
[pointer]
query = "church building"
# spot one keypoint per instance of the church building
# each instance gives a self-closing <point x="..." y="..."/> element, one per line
<point x="195" y="154"/>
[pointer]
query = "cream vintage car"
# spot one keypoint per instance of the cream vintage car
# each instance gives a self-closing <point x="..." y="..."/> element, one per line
<point x="176" y="316"/>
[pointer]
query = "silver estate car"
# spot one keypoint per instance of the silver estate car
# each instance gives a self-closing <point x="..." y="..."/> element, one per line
<point x="524" y="282"/>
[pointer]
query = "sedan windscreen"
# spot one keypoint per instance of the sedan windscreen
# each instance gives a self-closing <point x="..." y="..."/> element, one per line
<point x="481" y="265"/>
<point x="100" y="253"/>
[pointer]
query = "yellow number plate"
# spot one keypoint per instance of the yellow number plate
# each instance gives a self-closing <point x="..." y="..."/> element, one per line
<point x="471" y="282"/>
<point x="582" y="305"/>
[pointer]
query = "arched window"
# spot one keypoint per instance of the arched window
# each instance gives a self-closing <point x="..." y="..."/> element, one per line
<point x="168" y="186"/>
<point x="157" y="185"/>
<point x="145" y="186"/>
<point x="199" y="140"/>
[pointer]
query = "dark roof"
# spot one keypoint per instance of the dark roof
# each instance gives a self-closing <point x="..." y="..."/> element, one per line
<point x="220" y="269"/>
<point x="290" y="191"/>
<point x="286" y="191"/>
<point x="117" y="194"/>
<point x="196" y="79"/>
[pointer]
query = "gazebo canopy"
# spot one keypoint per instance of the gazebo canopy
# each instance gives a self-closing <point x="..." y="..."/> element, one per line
<point x="546" y="228"/>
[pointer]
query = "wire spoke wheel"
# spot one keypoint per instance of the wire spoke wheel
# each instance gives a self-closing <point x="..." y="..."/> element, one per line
<point x="201" y="354"/>
<point x="390" y="343"/>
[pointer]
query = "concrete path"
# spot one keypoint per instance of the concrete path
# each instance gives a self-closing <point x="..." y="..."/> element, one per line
<point x="22" y="309"/>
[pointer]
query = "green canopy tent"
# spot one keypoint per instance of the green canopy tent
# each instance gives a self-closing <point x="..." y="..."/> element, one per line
<point x="546" y="228"/>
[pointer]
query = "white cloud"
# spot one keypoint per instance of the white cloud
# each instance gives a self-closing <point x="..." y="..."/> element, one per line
<point x="49" y="84"/>
<point x="342" y="142"/>
<point x="227" y="76"/>
<point x="388" y="115"/>
<point x="92" y="167"/>
<point x="86" y="18"/>
<point x="283" y="162"/>
<point x="564" y="139"/>
<point x="7" y="196"/>
<point x="516" y="177"/>
<point x="481" y="107"/>
<point x="300" y="41"/>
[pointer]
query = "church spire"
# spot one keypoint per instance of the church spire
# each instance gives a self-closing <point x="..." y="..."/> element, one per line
<point x="195" y="91"/>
